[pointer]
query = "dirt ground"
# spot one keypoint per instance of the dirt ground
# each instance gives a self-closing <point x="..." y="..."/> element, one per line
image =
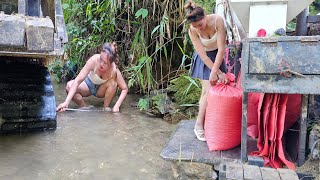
<point x="311" y="167"/>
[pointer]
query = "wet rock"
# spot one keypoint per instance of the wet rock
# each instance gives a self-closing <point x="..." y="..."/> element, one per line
<point x="174" y="118"/>
<point x="191" y="170"/>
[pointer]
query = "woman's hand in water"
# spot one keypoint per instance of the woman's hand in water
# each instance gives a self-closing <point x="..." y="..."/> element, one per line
<point x="115" y="109"/>
<point x="61" y="107"/>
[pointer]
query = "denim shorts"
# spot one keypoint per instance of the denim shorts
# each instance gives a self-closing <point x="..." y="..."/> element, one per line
<point x="93" y="88"/>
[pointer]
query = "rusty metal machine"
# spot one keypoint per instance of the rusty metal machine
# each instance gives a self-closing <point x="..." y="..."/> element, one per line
<point x="264" y="60"/>
<point x="31" y="33"/>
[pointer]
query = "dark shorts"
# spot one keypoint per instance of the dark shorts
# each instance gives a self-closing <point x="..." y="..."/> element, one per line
<point x="93" y="88"/>
<point x="200" y="70"/>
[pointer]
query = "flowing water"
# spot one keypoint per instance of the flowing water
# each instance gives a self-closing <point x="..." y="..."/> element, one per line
<point x="90" y="145"/>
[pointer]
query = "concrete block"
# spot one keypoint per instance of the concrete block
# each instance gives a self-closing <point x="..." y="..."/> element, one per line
<point x="12" y="30"/>
<point x="288" y="174"/>
<point x="40" y="34"/>
<point x="251" y="172"/>
<point x="269" y="174"/>
<point x="234" y="171"/>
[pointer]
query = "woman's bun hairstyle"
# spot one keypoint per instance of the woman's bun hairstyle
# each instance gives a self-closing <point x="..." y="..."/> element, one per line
<point x="194" y="13"/>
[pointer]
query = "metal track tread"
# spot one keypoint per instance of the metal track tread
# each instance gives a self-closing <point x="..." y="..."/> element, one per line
<point x="27" y="101"/>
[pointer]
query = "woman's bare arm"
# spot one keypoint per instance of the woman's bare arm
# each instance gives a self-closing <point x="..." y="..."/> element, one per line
<point x="221" y="44"/>
<point x="124" y="90"/>
<point x="77" y="81"/>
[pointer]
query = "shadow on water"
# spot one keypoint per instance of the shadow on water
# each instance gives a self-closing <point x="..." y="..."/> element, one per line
<point x="90" y="145"/>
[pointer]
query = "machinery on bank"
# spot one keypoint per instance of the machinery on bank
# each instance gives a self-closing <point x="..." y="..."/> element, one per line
<point x="32" y="32"/>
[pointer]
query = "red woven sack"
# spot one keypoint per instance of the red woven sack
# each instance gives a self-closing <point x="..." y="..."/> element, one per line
<point x="223" y="116"/>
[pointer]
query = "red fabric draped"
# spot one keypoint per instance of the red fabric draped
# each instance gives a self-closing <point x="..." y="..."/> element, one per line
<point x="271" y="123"/>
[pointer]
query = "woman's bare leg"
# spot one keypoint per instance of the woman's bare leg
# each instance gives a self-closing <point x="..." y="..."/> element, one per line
<point x="202" y="105"/>
<point x="82" y="91"/>
<point x="108" y="91"/>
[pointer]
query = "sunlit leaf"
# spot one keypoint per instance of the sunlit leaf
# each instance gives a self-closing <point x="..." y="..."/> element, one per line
<point x="65" y="6"/>
<point x="155" y="29"/>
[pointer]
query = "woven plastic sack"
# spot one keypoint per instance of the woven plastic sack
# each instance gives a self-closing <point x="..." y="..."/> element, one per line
<point x="223" y="116"/>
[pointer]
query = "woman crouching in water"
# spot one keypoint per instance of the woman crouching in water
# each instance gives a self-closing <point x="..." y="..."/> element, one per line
<point x="99" y="77"/>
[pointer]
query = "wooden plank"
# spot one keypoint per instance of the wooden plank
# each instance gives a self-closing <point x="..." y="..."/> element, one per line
<point x="269" y="174"/>
<point x="287" y="174"/>
<point x="272" y="57"/>
<point x="244" y="127"/>
<point x="313" y="19"/>
<point x="234" y="171"/>
<point x="303" y="131"/>
<point x="251" y="172"/>
<point x="183" y="145"/>
<point x="280" y="84"/>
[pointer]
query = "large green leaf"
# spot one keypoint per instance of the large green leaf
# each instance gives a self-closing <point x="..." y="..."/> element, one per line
<point x="142" y="12"/>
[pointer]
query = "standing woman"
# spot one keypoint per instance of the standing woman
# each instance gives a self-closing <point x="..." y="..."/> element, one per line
<point x="208" y="36"/>
<point x="99" y="77"/>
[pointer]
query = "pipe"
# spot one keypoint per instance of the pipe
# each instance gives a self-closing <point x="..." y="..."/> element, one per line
<point x="302" y="25"/>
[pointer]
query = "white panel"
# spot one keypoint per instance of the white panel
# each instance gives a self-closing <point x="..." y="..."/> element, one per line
<point x="268" y="17"/>
<point x="241" y="7"/>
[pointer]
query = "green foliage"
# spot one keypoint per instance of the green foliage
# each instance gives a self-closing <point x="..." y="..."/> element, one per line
<point x="207" y="5"/>
<point x="143" y="104"/>
<point x="187" y="90"/>
<point x="56" y="69"/>
<point x="89" y="24"/>
<point x="142" y="12"/>
<point x="160" y="103"/>
<point x="314" y="8"/>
